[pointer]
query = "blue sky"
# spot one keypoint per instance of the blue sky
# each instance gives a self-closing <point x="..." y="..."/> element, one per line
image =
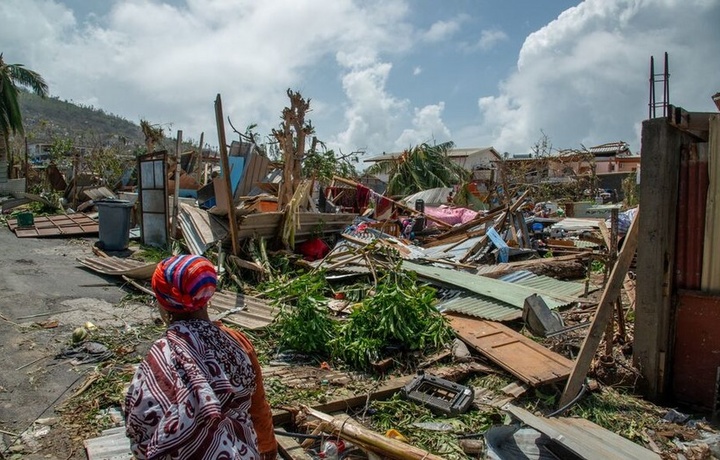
<point x="382" y="75"/>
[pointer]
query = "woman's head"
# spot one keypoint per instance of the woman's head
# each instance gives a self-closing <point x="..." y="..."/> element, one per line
<point x="184" y="284"/>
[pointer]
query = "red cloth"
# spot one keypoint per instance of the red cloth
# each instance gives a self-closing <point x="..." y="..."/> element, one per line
<point x="260" y="411"/>
<point x="313" y="249"/>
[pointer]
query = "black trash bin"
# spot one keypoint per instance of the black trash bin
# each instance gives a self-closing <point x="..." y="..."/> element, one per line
<point x="114" y="219"/>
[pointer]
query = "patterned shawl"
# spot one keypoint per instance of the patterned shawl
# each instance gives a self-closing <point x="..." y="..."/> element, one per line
<point x="190" y="397"/>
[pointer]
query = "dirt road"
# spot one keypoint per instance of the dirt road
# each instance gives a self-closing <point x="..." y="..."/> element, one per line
<point x="41" y="283"/>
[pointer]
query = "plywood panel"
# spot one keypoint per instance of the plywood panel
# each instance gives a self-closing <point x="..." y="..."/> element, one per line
<point x="65" y="225"/>
<point x="530" y="362"/>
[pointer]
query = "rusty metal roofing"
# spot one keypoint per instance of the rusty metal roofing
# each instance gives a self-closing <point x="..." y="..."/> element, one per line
<point x="200" y="228"/>
<point x="62" y="225"/>
<point x="117" y="266"/>
<point x="488" y="308"/>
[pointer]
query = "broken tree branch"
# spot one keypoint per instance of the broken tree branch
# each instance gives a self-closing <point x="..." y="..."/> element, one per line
<point x="345" y="427"/>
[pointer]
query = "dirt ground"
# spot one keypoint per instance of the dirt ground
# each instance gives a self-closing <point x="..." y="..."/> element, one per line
<point x="46" y="294"/>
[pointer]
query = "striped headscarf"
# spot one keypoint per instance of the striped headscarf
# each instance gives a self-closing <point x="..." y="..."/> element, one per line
<point x="184" y="283"/>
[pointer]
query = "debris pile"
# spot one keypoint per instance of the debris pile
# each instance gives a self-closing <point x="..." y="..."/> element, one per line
<point x="446" y="331"/>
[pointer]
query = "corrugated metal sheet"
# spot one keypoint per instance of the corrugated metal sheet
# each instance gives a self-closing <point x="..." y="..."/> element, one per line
<point x="584" y="438"/>
<point x="117" y="266"/>
<point x="575" y="223"/>
<point x="99" y="193"/>
<point x="434" y="196"/>
<point x="452" y="251"/>
<point x="247" y="311"/>
<point x="200" y="228"/>
<point x="12" y="185"/>
<point x="618" y="148"/>
<point x="496" y="310"/>
<point x="545" y="283"/>
<point x="480" y="307"/>
<point x="112" y="445"/>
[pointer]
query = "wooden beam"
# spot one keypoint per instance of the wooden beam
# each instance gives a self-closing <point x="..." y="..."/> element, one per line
<point x="346" y="428"/>
<point x="200" y="164"/>
<point x="602" y="316"/>
<point x="288" y="448"/>
<point x="226" y="173"/>
<point x="386" y="389"/>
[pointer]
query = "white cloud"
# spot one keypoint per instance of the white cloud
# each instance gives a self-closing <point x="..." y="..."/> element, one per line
<point x="489" y="38"/>
<point x="165" y="62"/>
<point x="428" y="126"/>
<point x="417" y="70"/>
<point x="372" y="113"/>
<point x="583" y="78"/>
<point x="442" y="30"/>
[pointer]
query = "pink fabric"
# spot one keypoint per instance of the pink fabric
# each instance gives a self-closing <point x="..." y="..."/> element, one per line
<point x="452" y="216"/>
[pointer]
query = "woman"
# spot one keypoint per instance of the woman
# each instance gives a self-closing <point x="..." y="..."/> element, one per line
<point x="199" y="393"/>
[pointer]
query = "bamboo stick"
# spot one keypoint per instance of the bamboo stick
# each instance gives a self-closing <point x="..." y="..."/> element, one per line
<point x="346" y="428"/>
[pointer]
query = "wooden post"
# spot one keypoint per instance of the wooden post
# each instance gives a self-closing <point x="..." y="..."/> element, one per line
<point x="199" y="165"/>
<point x="602" y="315"/>
<point x="661" y="148"/>
<point x="226" y="172"/>
<point x="176" y="191"/>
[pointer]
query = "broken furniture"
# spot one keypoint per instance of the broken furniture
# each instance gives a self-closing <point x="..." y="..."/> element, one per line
<point x="440" y="395"/>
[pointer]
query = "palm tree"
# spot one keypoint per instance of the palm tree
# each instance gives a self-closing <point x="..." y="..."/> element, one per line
<point x="421" y="168"/>
<point x="13" y="76"/>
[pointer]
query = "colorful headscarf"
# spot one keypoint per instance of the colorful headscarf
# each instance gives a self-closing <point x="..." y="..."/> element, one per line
<point x="184" y="283"/>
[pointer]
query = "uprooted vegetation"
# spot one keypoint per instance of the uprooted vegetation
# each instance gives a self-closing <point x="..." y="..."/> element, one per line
<point x="396" y="314"/>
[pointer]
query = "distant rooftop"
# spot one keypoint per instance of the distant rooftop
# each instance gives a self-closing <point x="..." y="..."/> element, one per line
<point x="454" y="153"/>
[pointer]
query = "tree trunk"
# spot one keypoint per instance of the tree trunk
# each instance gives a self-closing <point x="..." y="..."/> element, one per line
<point x="4" y="164"/>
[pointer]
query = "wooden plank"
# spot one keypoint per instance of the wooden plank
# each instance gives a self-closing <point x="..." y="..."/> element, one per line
<point x="345" y="427"/>
<point x="226" y="173"/>
<point x="385" y="390"/>
<point x="660" y="153"/>
<point x="522" y="357"/>
<point x="289" y="448"/>
<point x="63" y="225"/>
<point x="603" y="315"/>
<point x="710" y="279"/>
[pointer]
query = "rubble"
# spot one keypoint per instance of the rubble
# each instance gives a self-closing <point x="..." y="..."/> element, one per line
<point x="512" y="283"/>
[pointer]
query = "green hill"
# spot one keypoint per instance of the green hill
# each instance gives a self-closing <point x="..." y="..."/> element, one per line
<point x="48" y="119"/>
